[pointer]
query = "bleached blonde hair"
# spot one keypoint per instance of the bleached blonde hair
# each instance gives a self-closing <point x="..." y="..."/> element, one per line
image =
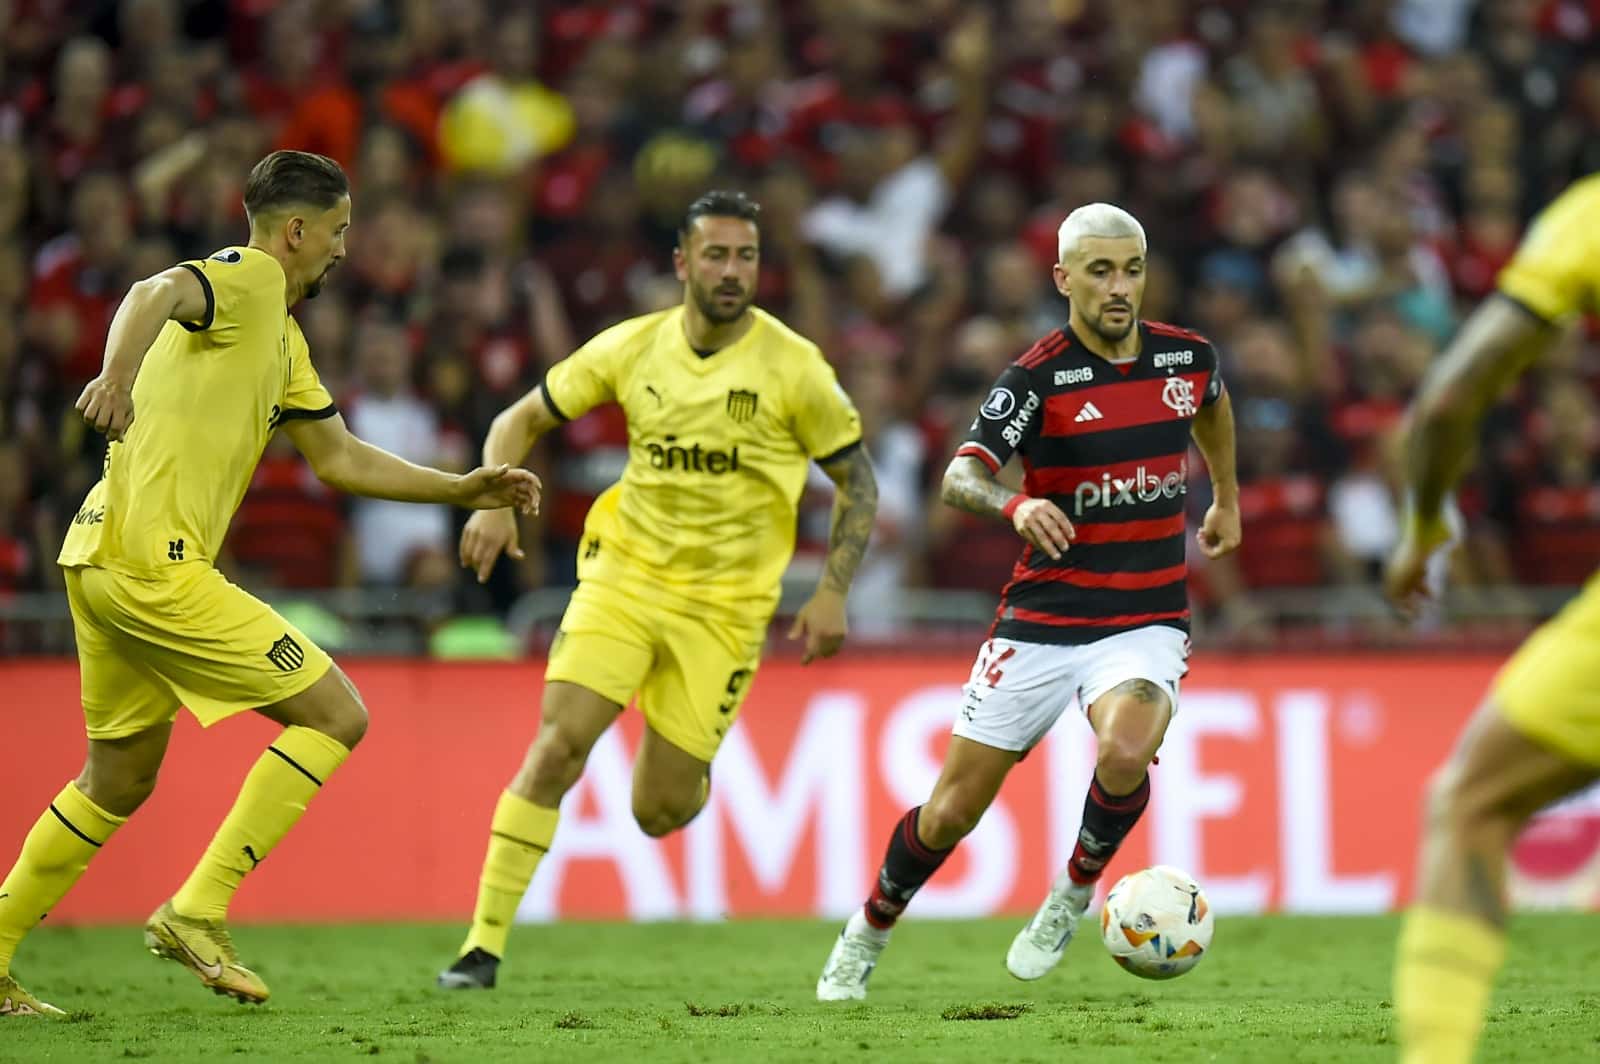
<point x="1097" y="219"/>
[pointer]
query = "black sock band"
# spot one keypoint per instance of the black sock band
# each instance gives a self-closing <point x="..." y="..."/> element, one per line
<point x="907" y="865"/>
<point x="1107" y="819"/>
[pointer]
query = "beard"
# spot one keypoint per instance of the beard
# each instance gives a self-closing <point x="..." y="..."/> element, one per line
<point x="315" y="287"/>
<point x="1114" y="333"/>
<point x="716" y="313"/>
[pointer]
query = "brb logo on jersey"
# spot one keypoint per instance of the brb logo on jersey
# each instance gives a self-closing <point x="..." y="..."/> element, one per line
<point x="694" y="458"/>
<point x="1178" y="393"/>
<point x="1143" y="486"/>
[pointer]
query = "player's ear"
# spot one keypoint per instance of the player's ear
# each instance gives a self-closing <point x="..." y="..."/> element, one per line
<point x="680" y="263"/>
<point x="1063" y="279"/>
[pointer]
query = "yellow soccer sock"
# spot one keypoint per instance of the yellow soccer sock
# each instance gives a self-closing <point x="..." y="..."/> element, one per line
<point x="519" y="835"/>
<point x="1444" y="972"/>
<point x="54" y="855"/>
<point x="272" y="800"/>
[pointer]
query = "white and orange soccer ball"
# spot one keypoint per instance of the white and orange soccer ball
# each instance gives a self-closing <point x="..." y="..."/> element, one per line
<point x="1156" y="922"/>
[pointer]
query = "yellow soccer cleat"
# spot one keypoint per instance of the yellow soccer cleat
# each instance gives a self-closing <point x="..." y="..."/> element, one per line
<point x="15" y="1001"/>
<point x="206" y="949"/>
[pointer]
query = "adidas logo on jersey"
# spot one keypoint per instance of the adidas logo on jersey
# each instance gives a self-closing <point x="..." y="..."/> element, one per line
<point x="1089" y="412"/>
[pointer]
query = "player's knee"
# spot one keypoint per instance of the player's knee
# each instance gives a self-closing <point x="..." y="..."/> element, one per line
<point x="119" y="795"/>
<point x="949" y="817"/>
<point x="1121" y="763"/>
<point x="1459" y="802"/>
<point x="554" y="762"/>
<point x="657" y="819"/>
<point x="347" y="723"/>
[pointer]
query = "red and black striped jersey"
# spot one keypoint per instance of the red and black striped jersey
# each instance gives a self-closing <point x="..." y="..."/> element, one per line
<point x="1108" y="443"/>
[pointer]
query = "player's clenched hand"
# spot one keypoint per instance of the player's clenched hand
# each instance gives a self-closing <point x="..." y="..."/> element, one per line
<point x="107" y="405"/>
<point x="1405" y="579"/>
<point x="488" y="533"/>
<point x="1041" y="522"/>
<point x="491" y="487"/>
<point x="1220" y="532"/>
<point x="821" y="622"/>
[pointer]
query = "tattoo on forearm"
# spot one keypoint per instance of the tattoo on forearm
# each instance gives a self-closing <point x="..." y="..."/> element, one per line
<point x="855" y="509"/>
<point x="1483" y="892"/>
<point x="968" y="486"/>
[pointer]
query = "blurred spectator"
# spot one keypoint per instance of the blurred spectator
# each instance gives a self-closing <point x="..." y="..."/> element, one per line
<point x="397" y="543"/>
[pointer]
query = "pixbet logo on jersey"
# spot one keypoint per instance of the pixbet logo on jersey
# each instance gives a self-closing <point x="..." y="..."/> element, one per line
<point x="1142" y="486"/>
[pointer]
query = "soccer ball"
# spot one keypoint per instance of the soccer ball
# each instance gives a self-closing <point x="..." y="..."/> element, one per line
<point x="1156" y="922"/>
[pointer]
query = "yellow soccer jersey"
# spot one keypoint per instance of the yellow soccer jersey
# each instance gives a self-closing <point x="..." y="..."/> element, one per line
<point x="1556" y="270"/>
<point x="718" y="449"/>
<point x="207" y="397"/>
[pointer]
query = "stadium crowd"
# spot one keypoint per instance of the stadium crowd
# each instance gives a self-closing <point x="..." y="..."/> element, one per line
<point x="1328" y="187"/>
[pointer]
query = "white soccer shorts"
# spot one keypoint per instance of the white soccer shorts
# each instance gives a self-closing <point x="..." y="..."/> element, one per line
<point x="1018" y="690"/>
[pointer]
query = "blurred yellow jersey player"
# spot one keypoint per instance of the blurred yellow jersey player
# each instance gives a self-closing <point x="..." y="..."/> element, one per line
<point x="1536" y="738"/>
<point x="679" y="567"/>
<point x="203" y="363"/>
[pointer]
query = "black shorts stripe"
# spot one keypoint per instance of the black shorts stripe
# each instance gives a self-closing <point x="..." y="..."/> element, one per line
<point x="211" y="300"/>
<point x="549" y="400"/>
<point x="297" y="766"/>
<point x="843" y="452"/>
<point x="520" y="842"/>
<point x="308" y="415"/>
<point x="70" y="826"/>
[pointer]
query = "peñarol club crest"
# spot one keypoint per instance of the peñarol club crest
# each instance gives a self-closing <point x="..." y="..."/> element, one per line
<point x="741" y="404"/>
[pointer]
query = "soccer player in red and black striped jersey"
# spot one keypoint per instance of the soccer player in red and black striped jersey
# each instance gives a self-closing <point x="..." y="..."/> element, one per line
<point x="1100" y="413"/>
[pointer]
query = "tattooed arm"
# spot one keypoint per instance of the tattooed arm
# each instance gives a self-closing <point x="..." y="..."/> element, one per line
<point x="855" y="508"/>
<point x="969" y="486"/>
<point x="821" y="621"/>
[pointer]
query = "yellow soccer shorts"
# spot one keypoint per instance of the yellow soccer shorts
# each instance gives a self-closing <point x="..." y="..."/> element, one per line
<point x="691" y="673"/>
<point x="146" y="647"/>
<point x="1550" y="689"/>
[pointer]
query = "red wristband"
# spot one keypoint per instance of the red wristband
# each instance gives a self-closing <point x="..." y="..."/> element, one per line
<point x="1009" y="510"/>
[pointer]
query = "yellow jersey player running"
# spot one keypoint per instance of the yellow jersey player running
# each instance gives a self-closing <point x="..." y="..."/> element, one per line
<point x="1536" y="736"/>
<point x="679" y="567"/>
<point x="203" y="363"/>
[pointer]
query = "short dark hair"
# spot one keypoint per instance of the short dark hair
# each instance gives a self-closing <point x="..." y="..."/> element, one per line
<point x="720" y="203"/>
<point x="288" y="178"/>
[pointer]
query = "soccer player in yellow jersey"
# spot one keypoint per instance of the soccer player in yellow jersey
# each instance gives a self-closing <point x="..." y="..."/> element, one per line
<point x="679" y="567"/>
<point x="203" y="363"/>
<point x="1536" y="736"/>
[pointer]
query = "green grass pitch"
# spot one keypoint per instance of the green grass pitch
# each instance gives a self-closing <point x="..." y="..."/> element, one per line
<point x="1275" y="989"/>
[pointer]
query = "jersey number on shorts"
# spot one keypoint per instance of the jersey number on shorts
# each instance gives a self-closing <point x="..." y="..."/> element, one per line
<point x="736" y="681"/>
<point x="994" y="672"/>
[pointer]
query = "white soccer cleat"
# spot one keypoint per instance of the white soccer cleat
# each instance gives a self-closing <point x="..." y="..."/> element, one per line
<point x="1039" y="945"/>
<point x="855" y="954"/>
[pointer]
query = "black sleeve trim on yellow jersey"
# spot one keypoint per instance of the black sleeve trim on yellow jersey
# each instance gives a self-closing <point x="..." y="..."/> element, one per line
<point x="1520" y="305"/>
<point x="842" y="452"/>
<point x="308" y="415"/>
<point x="544" y="390"/>
<point x="211" y="300"/>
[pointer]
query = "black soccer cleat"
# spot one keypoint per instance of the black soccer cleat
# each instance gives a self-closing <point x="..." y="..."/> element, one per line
<point x="474" y="971"/>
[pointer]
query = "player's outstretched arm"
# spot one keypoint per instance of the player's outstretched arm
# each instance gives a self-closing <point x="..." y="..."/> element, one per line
<point x="489" y="533"/>
<point x="172" y="295"/>
<point x="968" y="485"/>
<point x="821" y="621"/>
<point x="352" y="465"/>
<point x="1212" y="430"/>
<point x="1493" y="348"/>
